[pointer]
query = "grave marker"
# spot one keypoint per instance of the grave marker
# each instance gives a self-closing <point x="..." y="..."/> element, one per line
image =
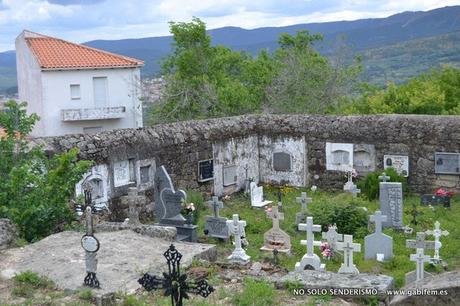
<point x="276" y="238"/>
<point x="282" y="161"/>
<point x="332" y="237"/>
<point x="134" y="201"/>
<point x="236" y="228"/>
<point x="310" y="261"/>
<point x="257" y="196"/>
<point x="431" y="199"/>
<point x="304" y="200"/>
<point x="437" y="233"/>
<point x="348" y="247"/>
<point x="378" y="242"/>
<point x="216" y="226"/>
<point x="91" y="245"/>
<point x="446" y="163"/>
<point x="391" y="202"/>
<point x="420" y="258"/>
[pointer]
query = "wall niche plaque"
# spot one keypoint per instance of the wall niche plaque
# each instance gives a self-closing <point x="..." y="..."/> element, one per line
<point x="282" y="161"/>
<point x="205" y="170"/>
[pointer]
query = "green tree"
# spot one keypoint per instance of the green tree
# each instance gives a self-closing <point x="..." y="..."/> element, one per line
<point x="34" y="190"/>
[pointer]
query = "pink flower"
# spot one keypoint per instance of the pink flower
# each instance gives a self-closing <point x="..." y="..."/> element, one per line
<point x="444" y="193"/>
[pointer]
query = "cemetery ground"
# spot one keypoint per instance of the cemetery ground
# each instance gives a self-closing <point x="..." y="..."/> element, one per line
<point x="244" y="286"/>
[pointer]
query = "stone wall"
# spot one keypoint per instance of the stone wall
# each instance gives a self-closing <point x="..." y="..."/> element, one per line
<point x="180" y="146"/>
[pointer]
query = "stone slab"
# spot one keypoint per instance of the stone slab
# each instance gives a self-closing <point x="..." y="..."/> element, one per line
<point x="151" y="230"/>
<point x="329" y="280"/>
<point x="123" y="257"/>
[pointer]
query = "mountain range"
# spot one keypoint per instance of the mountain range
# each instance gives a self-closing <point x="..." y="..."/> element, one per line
<point x="394" y="48"/>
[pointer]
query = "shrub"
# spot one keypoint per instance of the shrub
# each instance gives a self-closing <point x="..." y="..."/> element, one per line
<point x="369" y="185"/>
<point x="349" y="218"/>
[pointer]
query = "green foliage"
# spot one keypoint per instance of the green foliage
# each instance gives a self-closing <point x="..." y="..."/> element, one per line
<point x="34" y="190"/>
<point x="85" y="294"/>
<point x="197" y="199"/>
<point x="349" y="218"/>
<point x="255" y="293"/>
<point x="25" y="284"/>
<point x="369" y="185"/>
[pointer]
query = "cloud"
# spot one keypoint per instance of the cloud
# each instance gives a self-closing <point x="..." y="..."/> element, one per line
<point x="74" y="2"/>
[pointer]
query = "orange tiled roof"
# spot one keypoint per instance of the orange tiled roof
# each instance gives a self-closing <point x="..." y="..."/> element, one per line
<point x="54" y="53"/>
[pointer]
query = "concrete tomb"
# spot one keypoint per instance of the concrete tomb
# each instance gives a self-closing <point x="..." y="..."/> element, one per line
<point x="216" y="226"/>
<point x="310" y="261"/>
<point x="257" y="196"/>
<point x="378" y="242"/>
<point x="236" y="228"/>
<point x="276" y="238"/>
<point x="364" y="158"/>
<point x="339" y="156"/>
<point x="348" y="247"/>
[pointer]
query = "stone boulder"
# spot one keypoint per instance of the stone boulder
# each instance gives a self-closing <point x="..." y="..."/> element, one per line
<point x="441" y="289"/>
<point x="8" y="233"/>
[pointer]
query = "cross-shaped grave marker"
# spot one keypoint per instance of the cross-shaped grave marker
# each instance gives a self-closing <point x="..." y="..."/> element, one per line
<point x="354" y="191"/>
<point x="348" y="247"/>
<point x="378" y="219"/>
<point x="437" y="233"/>
<point x="310" y="259"/>
<point x="216" y="205"/>
<point x="276" y="238"/>
<point x="384" y="177"/>
<point x="174" y="282"/>
<point x="276" y="216"/>
<point x="420" y="244"/>
<point x="304" y="200"/>
<point x="332" y="237"/>
<point x="91" y="245"/>
<point x="378" y="244"/>
<point x="236" y="228"/>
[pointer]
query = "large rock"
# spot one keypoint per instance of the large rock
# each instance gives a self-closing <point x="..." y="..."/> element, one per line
<point x="123" y="257"/>
<point x="442" y="289"/>
<point x="151" y="230"/>
<point x="8" y="233"/>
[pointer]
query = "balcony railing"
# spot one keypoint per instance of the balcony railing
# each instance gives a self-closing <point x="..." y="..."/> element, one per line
<point x="98" y="113"/>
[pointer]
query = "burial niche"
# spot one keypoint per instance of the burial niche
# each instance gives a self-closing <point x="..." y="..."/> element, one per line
<point x="229" y="175"/>
<point x="364" y="158"/>
<point x="282" y="161"/>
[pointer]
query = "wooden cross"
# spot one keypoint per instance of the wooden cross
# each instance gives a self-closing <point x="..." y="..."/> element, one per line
<point x="384" y="177"/>
<point x="378" y="218"/>
<point x="216" y="205"/>
<point x="310" y="228"/>
<point x="275" y="216"/>
<point x="348" y="247"/>
<point x="304" y="200"/>
<point x="437" y="233"/>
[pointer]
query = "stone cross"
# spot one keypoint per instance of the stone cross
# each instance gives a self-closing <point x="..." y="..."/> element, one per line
<point x="332" y="237"/>
<point x="354" y="191"/>
<point x="348" y="247"/>
<point x="134" y="201"/>
<point x="304" y="200"/>
<point x="310" y="228"/>
<point x="216" y="205"/>
<point x="384" y="177"/>
<point x="437" y="233"/>
<point x="420" y="243"/>
<point x="420" y="258"/>
<point x="275" y="216"/>
<point x="236" y="228"/>
<point x="378" y="218"/>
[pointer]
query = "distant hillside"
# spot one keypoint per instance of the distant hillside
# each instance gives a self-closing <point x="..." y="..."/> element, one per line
<point x="396" y="47"/>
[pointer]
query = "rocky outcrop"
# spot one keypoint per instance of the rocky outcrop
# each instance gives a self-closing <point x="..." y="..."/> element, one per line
<point x="8" y="233"/>
<point x="442" y="289"/>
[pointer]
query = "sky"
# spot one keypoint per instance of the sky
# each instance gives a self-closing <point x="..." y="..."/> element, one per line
<point x="85" y="20"/>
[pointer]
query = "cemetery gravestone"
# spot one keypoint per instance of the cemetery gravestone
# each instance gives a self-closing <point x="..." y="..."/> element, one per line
<point x="391" y="202"/>
<point x="168" y="206"/>
<point x="304" y="200"/>
<point x="437" y="233"/>
<point x="378" y="242"/>
<point x="348" y="247"/>
<point x="420" y="258"/>
<point x="134" y="201"/>
<point x="332" y="237"/>
<point x="310" y="261"/>
<point x="215" y="225"/>
<point x="276" y="238"/>
<point x="364" y="158"/>
<point x="446" y="163"/>
<point x="236" y="228"/>
<point x="257" y="196"/>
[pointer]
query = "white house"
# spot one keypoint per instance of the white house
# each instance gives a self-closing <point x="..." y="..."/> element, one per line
<point x="75" y="88"/>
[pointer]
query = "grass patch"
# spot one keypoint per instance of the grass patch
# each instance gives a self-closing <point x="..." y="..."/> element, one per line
<point x="27" y="282"/>
<point x="85" y="294"/>
<point x="255" y="293"/>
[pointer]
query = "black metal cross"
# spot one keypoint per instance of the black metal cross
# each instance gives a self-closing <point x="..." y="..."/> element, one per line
<point x="174" y="283"/>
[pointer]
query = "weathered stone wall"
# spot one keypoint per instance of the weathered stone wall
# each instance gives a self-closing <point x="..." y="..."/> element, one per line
<point x="179" y="146"/>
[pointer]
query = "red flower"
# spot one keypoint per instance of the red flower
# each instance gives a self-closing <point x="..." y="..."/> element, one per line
<point x="444" y="193"/>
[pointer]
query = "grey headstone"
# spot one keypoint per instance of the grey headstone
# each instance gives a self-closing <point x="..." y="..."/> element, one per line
<point x="378" y="242"/>
<point x="447" y="163"/>
<point x="168" y="201"/>
<point x="282" y="161"/>
<point x="391" y="204"/>
<point x="216" y="226"/>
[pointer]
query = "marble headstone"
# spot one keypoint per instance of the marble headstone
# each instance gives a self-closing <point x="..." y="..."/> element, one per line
<point x="257" y="196"/>
<point x="276" y="238"/>
<point x="378" y="242"/>
<point x="391" y="204"/>
<point x="215" y="225"/>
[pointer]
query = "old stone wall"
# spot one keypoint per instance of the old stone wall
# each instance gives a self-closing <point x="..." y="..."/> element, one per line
<point x="180" y="146"/>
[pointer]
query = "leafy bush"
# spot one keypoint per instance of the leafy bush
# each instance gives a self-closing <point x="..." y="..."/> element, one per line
<point x="35" y="190"/>
<point x="370" y="184"/>
<point x="349" y="218"/>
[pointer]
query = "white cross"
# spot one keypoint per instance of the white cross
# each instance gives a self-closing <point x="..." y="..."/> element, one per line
<point x="236" y="228"/>
<point x="437" y="233"/>
<point x="348" y="247"/>
<point x="420" y="258"/>
<point x="420" y="243"/>
<point x="309" y="227"/>
<point x="384" y="177"/>
<point x="332" y="236"/>
<point x="275" y="216"/>
<point x="216" y="205"/>
<point x="304" y="200"/>
<point x="378" y="218"/>
<point x="354" y="191"/>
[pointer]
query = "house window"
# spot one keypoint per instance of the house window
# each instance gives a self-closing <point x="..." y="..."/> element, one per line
<point x="75" y="91"/>
<point x="100" y="91"/>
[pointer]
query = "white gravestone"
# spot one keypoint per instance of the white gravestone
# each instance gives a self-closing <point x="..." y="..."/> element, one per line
<point x="257" y="196"/>
<point x="420" y="258"/>
<point x="276" y="238"/>
<point x="310" y="261"/>
<point x="348" y="247"/>
<point x="378" y="242"/>
<point x="437" y="233"/>
<point x="304" y="200"/>
<point x="236" y="228"/>
<point x="391" y="202"/>
<point x="332" y="237"/>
